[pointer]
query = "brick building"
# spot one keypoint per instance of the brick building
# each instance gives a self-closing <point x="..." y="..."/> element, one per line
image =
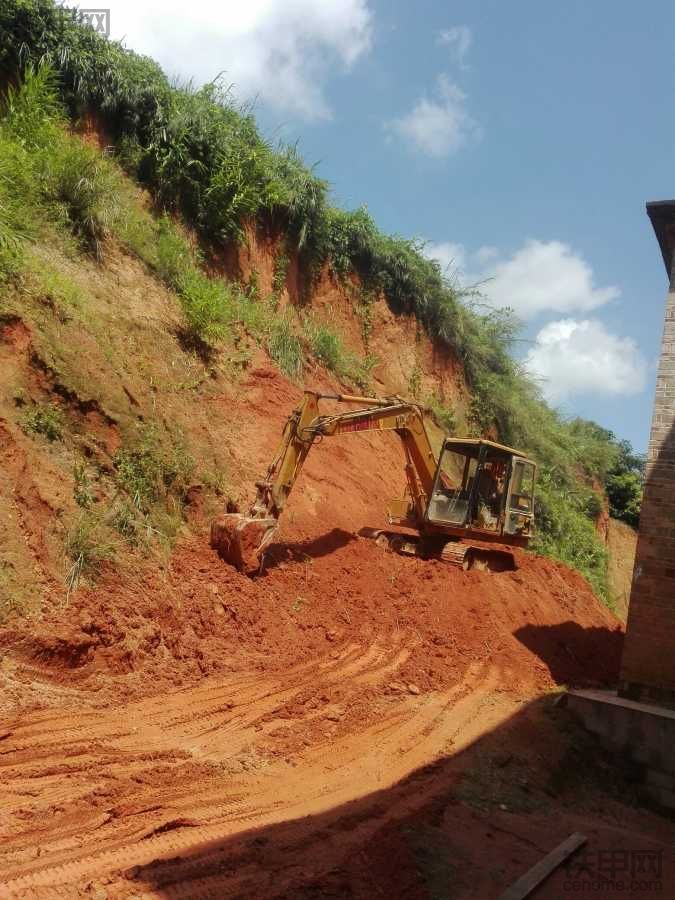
<point x="648" y="664"/>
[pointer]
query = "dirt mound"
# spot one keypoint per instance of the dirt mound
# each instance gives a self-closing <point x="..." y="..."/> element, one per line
<point x="308" y="770"/>
<point x="540" y="625"/>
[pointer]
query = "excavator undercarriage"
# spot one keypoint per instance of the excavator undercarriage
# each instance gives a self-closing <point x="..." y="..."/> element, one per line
<point x="467" y="507"/>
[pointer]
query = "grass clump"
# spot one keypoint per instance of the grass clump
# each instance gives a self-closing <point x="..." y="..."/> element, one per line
<point x="285" y="347"/>
<point x="149" y="471"/>
<point x="208" y="303"/>
<point x="86" y="190"/>
<point x="88" y="545"/>
<point x="46" y="420"/>
<point x="442" y="414"/>
<point x="152" y="476"/>
<point x="82" y="493"/>
<point x="280" y="273"/>
<point x="325" y="344"/>
<point x="75" y="182"/>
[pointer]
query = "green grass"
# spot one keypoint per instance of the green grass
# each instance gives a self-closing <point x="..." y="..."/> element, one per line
<point x="76" y="183"/>
<point x="442" y="414"/>
<point x="280" y="272"/>
<point x="567" y="533"/>
<point x="325" y="344"/>
<point x="285" y="347"/>
<point x="88" y="545"/>
<point x="148" y="470"/>
<point x="46" y="420"/>
<point x="82" y="493"/>
<point x="85" y="188"/>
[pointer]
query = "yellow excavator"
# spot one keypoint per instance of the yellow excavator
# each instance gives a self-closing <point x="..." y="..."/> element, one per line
<point x="460" y="507"/>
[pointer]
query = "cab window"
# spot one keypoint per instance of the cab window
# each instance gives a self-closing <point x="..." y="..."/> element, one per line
<point x="450" y="499"/>
<point x="522" y="487"/>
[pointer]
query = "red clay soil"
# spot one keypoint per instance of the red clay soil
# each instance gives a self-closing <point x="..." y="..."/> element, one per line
<point x="179" y="713"/>
<point x="351" y="723"/>
<point x="540" y="624"/>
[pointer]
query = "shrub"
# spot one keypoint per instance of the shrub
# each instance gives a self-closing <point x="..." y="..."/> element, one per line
<point x="442" y="414"/>
<point x="148" y="471"/>
<point x="46" y="420"/>
<point x="87" y="546"/>
<point x="624" y="490"/>
<point x="285" y="347"/>
<point x="567" y="534"/>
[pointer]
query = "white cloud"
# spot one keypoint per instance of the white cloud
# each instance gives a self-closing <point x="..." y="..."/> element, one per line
<point x="458" y="39"/>
<point x="540" y="277"/>
<point x="452" y="257"/>
<point x="279" y="50"/>
<point x="574" y="357"/>
<point x="438" y="126"/>
<point x="546" y="276"/>
<point x="457" y="262"/>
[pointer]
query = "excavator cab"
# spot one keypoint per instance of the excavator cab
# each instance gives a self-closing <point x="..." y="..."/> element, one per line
<point x="481" y="486"/>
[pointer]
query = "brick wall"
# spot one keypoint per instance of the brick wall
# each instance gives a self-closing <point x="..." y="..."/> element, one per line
<point x="648" y="664"/>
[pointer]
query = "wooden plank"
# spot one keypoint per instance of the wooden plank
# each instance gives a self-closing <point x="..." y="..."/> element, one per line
<point x="541" y="870"/>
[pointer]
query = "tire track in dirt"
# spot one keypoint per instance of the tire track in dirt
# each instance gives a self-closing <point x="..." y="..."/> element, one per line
<point x="125" y="787"/>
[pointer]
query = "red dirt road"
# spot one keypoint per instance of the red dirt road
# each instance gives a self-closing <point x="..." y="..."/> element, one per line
<point x="205" y="735"/>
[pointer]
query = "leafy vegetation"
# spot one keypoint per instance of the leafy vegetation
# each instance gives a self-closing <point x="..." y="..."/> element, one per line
<point x="326" y="345"/>
<point x="203" y="159"/>
<point x="442" y="414"/>
<point x="285" y="347"/>
<point x="148" y="471"/>
<point x="87" y="546"/>
<point x="624" y="485"/>
<point x="46" y="420"/>
<point x="82" y="490"/>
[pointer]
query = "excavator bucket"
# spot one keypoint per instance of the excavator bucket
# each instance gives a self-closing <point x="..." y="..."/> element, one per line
<point x="241" y="540"/>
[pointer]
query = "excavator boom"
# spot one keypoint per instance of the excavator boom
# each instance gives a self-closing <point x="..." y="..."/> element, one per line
<point x="242" y="539"/>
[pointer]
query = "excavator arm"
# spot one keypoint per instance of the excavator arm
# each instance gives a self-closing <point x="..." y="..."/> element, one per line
<point x="242" y="539"/>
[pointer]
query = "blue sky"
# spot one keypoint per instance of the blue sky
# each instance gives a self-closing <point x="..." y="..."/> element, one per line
<point x="521" y="140"/>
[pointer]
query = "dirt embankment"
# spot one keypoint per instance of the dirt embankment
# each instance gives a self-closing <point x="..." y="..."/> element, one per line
<point x="174" y="729"/>
<point x="189" y="732"/>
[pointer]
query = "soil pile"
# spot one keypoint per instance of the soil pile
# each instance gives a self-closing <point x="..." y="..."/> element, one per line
<point x="541" y="625"/>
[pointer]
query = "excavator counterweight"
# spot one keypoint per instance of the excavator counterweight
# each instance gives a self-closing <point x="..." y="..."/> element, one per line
<point x="458" y="507"/>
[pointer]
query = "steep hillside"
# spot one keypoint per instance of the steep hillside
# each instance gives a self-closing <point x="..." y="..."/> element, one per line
<point x="169" y="284"/>
<point x="267" y="264"/>
<point x="117" y="437"/>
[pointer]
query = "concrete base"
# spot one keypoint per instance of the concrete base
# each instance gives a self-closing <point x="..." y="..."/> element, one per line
<point x="641" y="732"/>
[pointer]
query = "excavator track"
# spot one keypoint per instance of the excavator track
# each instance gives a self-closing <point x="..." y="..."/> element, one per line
<point x="482" y="557"/>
